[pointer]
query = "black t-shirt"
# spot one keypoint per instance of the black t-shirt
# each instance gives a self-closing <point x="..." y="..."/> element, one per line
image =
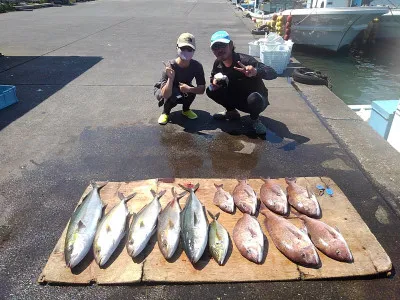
<point x="185" y="75"/>
<point x="239" y="85"/>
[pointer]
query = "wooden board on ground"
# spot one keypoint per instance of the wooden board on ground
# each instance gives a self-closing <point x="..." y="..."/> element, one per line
<point x="369" y="256"/>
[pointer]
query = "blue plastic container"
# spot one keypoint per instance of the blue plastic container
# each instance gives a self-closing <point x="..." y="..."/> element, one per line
<point x="8" y="95"/>
<point x="382" y="116"/>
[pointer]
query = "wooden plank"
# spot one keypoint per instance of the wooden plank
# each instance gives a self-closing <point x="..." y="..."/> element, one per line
<point x="150" y="266"/>
<point x="121" y="268"/>
<point x="369" y="256"/>
<point x="275" y="266"/>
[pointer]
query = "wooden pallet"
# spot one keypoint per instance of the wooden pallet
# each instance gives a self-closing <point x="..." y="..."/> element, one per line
<point x="369" y="256"/>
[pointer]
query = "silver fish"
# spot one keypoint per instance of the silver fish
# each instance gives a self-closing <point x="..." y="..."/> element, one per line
<point x="169" y="226"/>
<point x="244" y="197"/>
<point x="111" y="230"/>
<point x="144" y="225"/>
<point x="82" y="227"/>
<point x="194" y="226"/>
<point x="218" y="239"/>
<point x="223" y="199"/>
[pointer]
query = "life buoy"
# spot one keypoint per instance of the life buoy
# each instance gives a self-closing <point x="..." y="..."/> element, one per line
<point x="309" y="76"/>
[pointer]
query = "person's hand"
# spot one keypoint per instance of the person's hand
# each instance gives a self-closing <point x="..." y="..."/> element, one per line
<point x="169" y="71"/>
<point x="184" y="88"/>
<point x="249" y="71"/>
<point x="215" y="85"/>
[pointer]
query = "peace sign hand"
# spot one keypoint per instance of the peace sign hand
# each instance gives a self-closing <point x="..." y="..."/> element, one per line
<point x="249" y="71"/>
<point x="169" y="71"/>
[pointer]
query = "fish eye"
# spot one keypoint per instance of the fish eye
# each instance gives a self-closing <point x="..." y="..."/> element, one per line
<point x="338" y="252"/>
<point x="303" y="255"/>
<point x="130" y="242"/>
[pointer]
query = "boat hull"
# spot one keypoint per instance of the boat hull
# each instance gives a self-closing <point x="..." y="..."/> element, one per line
<point x="329" y="28"/>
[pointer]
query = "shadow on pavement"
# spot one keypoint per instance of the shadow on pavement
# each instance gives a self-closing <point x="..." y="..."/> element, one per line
<point x="277" y="131"/>
<point x="37" y="78"/>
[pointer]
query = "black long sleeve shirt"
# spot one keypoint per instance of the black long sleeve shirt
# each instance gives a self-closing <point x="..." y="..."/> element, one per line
<point x="239" y="85"/>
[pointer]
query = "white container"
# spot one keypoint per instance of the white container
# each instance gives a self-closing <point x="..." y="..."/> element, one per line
<point x="254" y="49"/>
<point x="277" y="58"/>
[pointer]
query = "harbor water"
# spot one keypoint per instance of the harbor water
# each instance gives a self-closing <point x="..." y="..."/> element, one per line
<point x="360" y="74"/>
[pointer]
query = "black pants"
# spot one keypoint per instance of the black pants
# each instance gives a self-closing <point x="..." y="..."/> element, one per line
<point x="253" y="104"/>
<point x="173" y="101"/>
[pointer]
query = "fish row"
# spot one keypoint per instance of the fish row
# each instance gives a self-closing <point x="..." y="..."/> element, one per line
<point x="87" y="227"/>
<point x="272" y="195"/>
<point x="191" y="226"/>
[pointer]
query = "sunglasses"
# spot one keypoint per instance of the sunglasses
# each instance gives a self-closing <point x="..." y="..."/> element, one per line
<point x="218" y="46"/>
<point x="186" y="48"/>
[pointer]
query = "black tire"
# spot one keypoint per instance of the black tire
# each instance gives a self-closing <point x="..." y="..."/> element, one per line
<point x="258" y="32"/>
<point x="309" y="76"/>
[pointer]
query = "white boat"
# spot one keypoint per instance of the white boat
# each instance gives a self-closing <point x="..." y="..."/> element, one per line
<point x="389" y="25"/>
<point x="324" y="26"/>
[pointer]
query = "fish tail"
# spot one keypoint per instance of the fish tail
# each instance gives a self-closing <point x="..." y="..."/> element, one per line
<point x="265" y="179"/>
<point x="263" y="209"/>
<point x="241" y="180"/>
<point x="290" y="179"/>
<point x="126" y="198"/>
<point x="214" y="217"/>
<point x="98" y="184"/>
<point x="219" y="185"/>
<point x="194" y="189"/>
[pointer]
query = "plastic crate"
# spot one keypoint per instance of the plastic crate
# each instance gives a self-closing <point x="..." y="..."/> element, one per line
<point x="8" y="95"/>
<point x="254" y="49"/>
<point x="277" y="57"/>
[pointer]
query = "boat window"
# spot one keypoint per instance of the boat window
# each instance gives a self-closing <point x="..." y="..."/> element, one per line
<point x="322" y="4"/>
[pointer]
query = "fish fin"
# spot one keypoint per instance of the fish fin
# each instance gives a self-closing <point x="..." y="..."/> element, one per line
<point x="304" y="229"/>
<point x="296" y="213"/>
<point x="81" y="225"/>
<point x="211" y="215"/>
<point x="174" y="194"/>
<point x="226" y="196"/>
<point x="253" y="233"/>
<point x="195" y="219"/>
<point x="194" y="189"/>
<point x="108" y="228"/>
<point x="171" y="224"/>
<point x="337" y="229"/>
<point x="153" y="193"/>
<point x="332" y="231"/>
<point x="295" y="232"/>
<point x="98" y="185"/>
<point x="277" y="190"/>
<point x="160" y="194"/>
<point x="248" y="193"/>
<point x="309" y="192"/>
<point x="179" y="196"/>
<point x="217" y="216"/>
<point x="290" y="180"/>
<point x="141" y="224"/>
<point x="125" y="198"/>
<point x="104" y="208"/>
<point x="218" y="185"/>
<point x="265" y="179"/>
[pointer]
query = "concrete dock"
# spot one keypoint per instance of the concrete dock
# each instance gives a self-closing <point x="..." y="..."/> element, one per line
<point x="84" y="77"/>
